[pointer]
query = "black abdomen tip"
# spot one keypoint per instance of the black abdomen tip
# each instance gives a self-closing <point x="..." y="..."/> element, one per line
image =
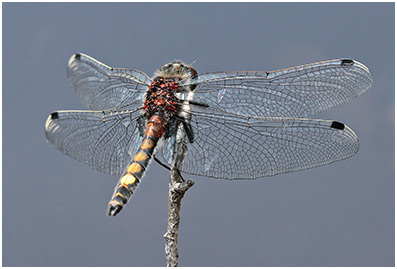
<point x="77" y="56"/>
<point x="347" y="62"/>
<point x="54" y="116"/>
<point x="113" y="210"/>
<point x="337" y="125"/>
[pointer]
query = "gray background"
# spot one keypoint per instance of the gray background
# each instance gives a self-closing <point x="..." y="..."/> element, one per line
<point x="54" y="207"/>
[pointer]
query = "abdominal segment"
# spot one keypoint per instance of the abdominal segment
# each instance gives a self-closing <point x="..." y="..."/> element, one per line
<point x="129" y="181"/>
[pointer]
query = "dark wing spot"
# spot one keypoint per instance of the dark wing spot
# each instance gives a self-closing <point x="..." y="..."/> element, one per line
<point x="347" y="62"/>
<point x="337" y="125"/>
<point x="77" y="56"/>
<point x="54" y="116"/>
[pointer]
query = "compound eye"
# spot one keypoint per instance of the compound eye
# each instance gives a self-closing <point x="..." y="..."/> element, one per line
<point x="165" y="67"/>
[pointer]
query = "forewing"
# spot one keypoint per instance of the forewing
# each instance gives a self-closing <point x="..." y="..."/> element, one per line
<point x="235" y="147"/>
<point x="300" y="91"/>
<point x="101" y="87"/>
<point x="103" y="141"/>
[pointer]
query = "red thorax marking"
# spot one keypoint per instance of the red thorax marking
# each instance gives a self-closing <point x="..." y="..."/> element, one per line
<point x="161" y="96"/>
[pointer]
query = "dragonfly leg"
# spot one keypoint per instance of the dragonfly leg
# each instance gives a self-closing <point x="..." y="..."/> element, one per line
<point x="173" y="128"/>
<point x="167" y="167"/>
<point x="198" y="103"/>
<point x="189" y="131"/>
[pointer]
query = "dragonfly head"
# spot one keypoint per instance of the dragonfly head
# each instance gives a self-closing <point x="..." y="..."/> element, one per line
<point x="176" y="69"/>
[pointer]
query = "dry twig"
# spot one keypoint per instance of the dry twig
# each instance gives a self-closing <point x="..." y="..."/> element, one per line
<point x="177" y="188"/>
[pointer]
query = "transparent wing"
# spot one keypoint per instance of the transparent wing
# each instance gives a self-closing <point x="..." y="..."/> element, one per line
<point x="235" y="147"/>
<point x="101" y="87"/>
<point x="103" y="141"/>
<point x="300" y="91"/>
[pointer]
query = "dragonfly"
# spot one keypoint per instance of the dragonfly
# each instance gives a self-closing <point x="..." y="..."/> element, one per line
<point x="235" y="124"/>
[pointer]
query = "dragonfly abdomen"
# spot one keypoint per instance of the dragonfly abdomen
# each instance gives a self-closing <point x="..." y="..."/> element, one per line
<point x="129" y="181"/>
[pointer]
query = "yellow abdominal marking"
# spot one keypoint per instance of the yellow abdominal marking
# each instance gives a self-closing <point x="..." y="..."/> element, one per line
<point x="146" y="144"/>
<point x="127" y="179"/>
<point x="118" y="194"/>
<point x="115" y="202"/>
<point x="140" y="156"/>
<point x="134" y="168"/>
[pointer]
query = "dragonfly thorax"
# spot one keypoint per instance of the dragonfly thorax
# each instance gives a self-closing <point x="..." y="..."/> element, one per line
<point x="161" y="99"/>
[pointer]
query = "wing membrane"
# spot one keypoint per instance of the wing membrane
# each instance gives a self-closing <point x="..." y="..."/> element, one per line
<point x="300" y="91"/>
<point x="101" y="87"/>
<point x="235" y="147"/>
<point x="103" y="141"/>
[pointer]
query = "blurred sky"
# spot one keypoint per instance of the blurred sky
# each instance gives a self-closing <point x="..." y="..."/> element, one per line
<point x="54" y="207"/>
